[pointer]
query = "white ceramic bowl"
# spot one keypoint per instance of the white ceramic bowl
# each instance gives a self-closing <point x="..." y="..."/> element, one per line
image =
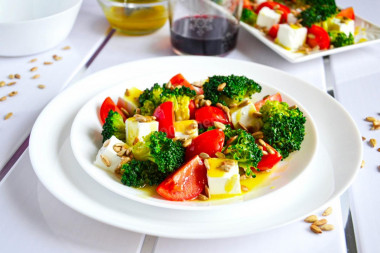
<point x="33" y="26"/>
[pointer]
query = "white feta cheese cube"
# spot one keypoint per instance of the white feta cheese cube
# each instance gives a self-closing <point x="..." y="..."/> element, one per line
<point x="220" y="181"/>
<point x="267" y="18"/>
<point x="291" y="19"/>
<point x="346" y="26"/>
<point x="291" y="36"/>
<point x="245" y="116"/>
<point x="186" y="129"/>
<point x="135" y="129"/>
<point x="107" y="157"/>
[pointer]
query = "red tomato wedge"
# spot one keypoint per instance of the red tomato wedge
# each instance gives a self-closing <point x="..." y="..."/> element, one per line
<point x="279" y="7"/>
<point x="108" y="105"/>
<point x="192" y="109"/>
<point x="209" y="142"/>
<point x="164" y="114"/>
<point x="179" y="80"/>
<point x="186" y="183"/>
<point x="317" y="36"/>
<point x="275" y="97"/>
<point x="268" y="161"/>
<point x="247" y="4"/>
<point x="347" y="13"/>
<point x="207" y="115"/>
<point x="273" y="31"/>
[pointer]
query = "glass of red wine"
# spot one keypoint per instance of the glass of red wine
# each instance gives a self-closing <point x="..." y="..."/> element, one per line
<point x="204" y="27"/>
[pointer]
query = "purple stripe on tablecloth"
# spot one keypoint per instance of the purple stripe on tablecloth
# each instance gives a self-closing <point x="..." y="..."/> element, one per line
<point x="7" y="167"/>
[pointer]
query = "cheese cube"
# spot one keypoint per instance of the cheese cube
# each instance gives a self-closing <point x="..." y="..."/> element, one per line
<point x="110" y="158"/>
<point x="186" y="129"/>
<point x="220" y="181"/>
<point x="135" y="129"/>
<point x="291" y="36"/>
<point x="267" y="18"/>
<point x="130" y="101"/>
<point x="346" y="26"/>
<point x="291" y="18"/>
<point x="245" y="116"/>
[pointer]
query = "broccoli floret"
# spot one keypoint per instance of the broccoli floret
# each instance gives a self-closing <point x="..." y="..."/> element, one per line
<point x="243" y="149"/>
<point x="320" y="2"/>
<point x="150" y="99"/>
<point x="153" y="97"/>
<point x="284" y="128"/>
<point x="156" y="147"/>
<point x="114" y="125"/>
<point x="248" y="16"/>
<point x="237" y="88"/>
<point x="340" y="39"/>
<point x="140" y="173"/>
<point x="316" y="14"/>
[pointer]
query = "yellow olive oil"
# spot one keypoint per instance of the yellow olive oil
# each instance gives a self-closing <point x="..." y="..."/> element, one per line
<point x="131" y="19"/>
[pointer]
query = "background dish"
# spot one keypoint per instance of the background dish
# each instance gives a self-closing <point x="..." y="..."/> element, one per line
<point x="371" y="32"/>
<point x="86" y="140"/>
<point x="30" y="27"/>
<point x="337" y="160"/>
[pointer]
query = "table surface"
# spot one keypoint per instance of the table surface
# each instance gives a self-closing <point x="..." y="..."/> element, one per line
<point x="45" y="224"/>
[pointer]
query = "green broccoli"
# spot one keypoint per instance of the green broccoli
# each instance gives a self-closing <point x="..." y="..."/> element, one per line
<point x="243" y="149"/>
<point x="114" y="125"/>
<point x="153" y="97"/>
<point x="140" y="173"/>
<point x="150" y="99"/>
<point x="316" y="14"/>
<point x="320" y="2"/>
<point x="248" y="16"/>
<point x="340" y="39"/>
<point x="156" y="147"/>
<point x="237" y="88"/>
<point x="284" y="128"/>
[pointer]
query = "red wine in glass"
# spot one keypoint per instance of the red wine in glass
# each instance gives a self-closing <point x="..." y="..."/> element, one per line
<point x="204" y="35"/>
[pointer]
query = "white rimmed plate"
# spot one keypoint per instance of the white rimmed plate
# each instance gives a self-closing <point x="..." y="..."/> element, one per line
<point x="366" y="30"/>
<point x="86" y="140"/>
<point x="336" y="164"/>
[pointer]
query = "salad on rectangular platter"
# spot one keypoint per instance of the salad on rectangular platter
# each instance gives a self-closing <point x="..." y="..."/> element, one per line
<point x="301" y="30"/>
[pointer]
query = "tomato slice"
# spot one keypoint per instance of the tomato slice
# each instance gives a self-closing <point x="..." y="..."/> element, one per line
<point x="192" y="109"/>
<point x="275" y="97"/>
<point x="179" y="80"/>
<point x="247" y="4"/>
<point x="186" y="183"/>
<point x="268" y="161"/>
<point x="284" y="10"/>
<point x="209" y="142"/>
<point x="347" y="13"/>
<point x="207" y="115"/>
<point x="273" y="31"/>
<point x="165" y="117"/>
<point x="317" y="36"/>
<point x="108" y="105"/>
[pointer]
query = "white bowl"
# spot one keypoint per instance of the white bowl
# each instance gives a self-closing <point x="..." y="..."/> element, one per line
<point x="34" y="26"/>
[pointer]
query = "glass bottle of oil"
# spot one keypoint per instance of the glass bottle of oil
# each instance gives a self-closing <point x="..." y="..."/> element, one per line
<point x="135" y="17"/>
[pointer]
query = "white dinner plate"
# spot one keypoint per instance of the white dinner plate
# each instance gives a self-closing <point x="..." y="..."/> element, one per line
<point x="86" y="140"/>
<point x="365" y="29"/>
<point x="336" y="163"/>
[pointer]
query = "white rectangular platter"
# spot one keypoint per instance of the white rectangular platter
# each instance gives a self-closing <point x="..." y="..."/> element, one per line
<point x="364" y="30"/>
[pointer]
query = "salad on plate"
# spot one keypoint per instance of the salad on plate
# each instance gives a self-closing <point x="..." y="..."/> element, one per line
<point x="202" y="140"/>
<point x="304" y="26"/>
